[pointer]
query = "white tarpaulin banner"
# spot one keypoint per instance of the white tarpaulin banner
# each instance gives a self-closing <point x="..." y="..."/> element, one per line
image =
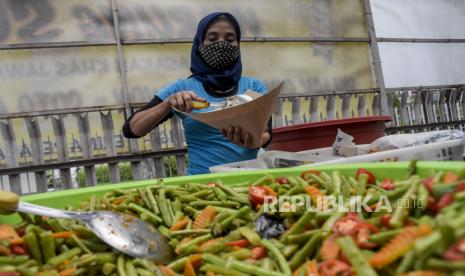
<point x="415" y="64"/>
<point x="419" y="18"/>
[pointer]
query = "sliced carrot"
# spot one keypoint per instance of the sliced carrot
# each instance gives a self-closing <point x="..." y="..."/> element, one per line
<point x="449" y="177"/>
<point x="304" y="175"/>
<point x="180" y="224"/>
<point x="195" y="260"/>
<point x="204" y="218"/>
<point x="269" y="191"/>
<point x="68" y="272"/>
<point x="168" y="271"/>
<point x="189" y="269"/>
<point x="4" y="251"/>
<point x="7" y="232"/>
<point x="298" y="271"/>
<point x="119" y="200"/>
<point x="316" y="195"/>
<point x="16" y="241"/>
<point x="210" y="273"/>
<point x="399" y="245"/>
<point x="66" y="263"/>
<point x="63" y="235"/>
<point x="423" y="273"/>
<point x="330" y="249"/>
<point x="312" y="268"/>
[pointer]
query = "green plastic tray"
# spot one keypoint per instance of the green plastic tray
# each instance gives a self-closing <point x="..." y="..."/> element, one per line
<point x="395" y="170"/>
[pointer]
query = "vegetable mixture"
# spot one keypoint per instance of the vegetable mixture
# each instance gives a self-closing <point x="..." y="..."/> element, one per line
<point x="243" y="229"/>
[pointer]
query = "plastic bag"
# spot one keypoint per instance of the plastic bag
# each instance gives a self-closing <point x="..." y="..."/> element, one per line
<point x="398" y="141"/>
<point x="284" y="159"/>
<point x="343" y="140"/>
<point x="269" y="227"/>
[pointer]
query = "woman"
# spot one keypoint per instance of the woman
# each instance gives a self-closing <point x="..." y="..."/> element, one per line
<point x="216" y="73"/>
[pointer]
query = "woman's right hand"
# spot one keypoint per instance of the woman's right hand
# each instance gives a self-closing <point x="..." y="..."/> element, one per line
<point x="182" y="101"/>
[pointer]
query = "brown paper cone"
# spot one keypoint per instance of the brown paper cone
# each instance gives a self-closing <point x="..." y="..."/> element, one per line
<point x="252" y="117"/>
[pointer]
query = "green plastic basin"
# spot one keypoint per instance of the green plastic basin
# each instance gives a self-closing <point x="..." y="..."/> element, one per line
<point x="395" y="170"/>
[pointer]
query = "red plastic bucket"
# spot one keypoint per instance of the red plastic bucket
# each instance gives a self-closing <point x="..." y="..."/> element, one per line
<point x="322" y="134"/>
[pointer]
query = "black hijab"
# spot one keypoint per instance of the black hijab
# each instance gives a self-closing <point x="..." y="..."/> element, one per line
<point x="223" y="79"/>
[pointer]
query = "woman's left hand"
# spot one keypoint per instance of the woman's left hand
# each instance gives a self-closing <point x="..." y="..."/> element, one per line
<point x="236" y="135"/>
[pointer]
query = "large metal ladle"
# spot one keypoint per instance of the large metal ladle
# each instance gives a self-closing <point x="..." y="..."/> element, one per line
<point x="123" y="232"/>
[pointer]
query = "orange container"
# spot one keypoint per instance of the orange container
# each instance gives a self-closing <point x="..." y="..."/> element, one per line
<point x="322" y="134"/>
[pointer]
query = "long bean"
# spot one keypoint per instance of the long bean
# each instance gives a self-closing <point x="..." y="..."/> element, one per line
<point x="306" y="251"/>
<point x="48" y="246"/>
<point x="228" y="211"/>
<point x="108" y="268"/>
<point x="189" y="246"/>
<point x="163" y="206"/>
<point x="33" y="246"/>
<point x="13" y="260"/>
<point x="358" y="261"/>
<point x="152" y="201"/>
<point x="202" y="193"/>
<point x="361" y="186"/>
<point x="290" y="249"/>
<point x="445" y="265"/>
<point x="221" y="270"/>
<point x="298" y="226"/>
<point x="80" y="244"/>
<point x="298" y="238"/>
<point x="327" y="226"/>
<point x="189" y="232"/>
<point x="220" y="194"/>
<point x="337" y="190"/>
<point x="120" y="266"/>
<point x="281" y="259"/>
<point x="241" y="266"/>
<point x="218" y="228"/>
<point x="129" y="268"/>
<point x="239" y="197"/>
<point x="250" y="235"/>
<point x="267" y="179"/>
<point x="267" y="264"/>
<point x="144" y="197"/>
<point x="65" y="256"/>
<point x="406" y="262"/>
<point x="401" y="211"/>
<point x="384" y="236"/>
<point x="202" y="203"/>
<point x="25" y="271"/>
<point x="150" y="266"/>
<point x="178" y="264"/>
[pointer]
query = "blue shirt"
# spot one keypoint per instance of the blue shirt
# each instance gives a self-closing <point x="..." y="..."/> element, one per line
<point x="206" y="145"/>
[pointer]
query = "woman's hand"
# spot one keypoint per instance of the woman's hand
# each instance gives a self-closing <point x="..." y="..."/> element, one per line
<point x="235" y="135"/>
<point x="182" y="101"/>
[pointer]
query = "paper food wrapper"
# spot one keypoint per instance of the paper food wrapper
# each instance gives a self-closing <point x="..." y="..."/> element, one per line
<point x="252" y="117"/>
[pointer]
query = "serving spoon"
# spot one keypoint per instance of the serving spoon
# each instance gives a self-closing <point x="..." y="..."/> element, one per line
<point x="123" y="232"/>
<point x="235" y="100"/>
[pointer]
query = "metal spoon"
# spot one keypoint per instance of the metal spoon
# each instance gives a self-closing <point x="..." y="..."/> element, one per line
<point x="235" y="100"/>
<point x="123" y="232"/>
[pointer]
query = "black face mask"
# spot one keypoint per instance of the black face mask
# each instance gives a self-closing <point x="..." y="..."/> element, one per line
<point x="219" y="55"/>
